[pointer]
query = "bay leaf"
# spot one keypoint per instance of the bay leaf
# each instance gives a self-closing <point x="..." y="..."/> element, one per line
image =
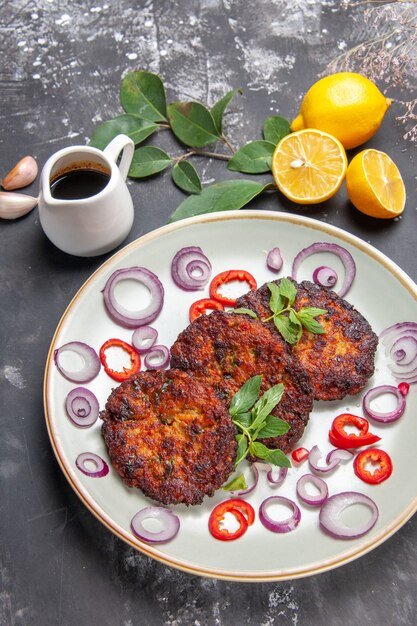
<point x="219" y="108"/>
<point x="186" y="177"/>
<point x="192" y="123"/>
<point x="143" y="94"/>
<point x="227" y="195"/>
<point x="253" y="158"/>
<point x="137" y="128"/>
<point x="275" y="128"/>
<point x="147" y="161"/>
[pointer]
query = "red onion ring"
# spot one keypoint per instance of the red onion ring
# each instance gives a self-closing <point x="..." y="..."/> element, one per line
<point x="312" y="500"/>
<point x="143" y="338"/>
<point x="102" y="469"/>
<point x="91" y="362"/>
<point x="82" y="407"/>
<point x="274" y="260"/>
<point x="332" y="460"/>
<point x="400" y="342"/>
<point x="161" y="354"/>
<point x="345" y="257"/>
<point x="281" y="476"/>
<point x="285" y="525"/>
<point x="123" y="316"/>
<point x="184" y="266"/>
<point x="248" y="490"/>
<point x="379" y="416"/>
<point x="170" y="521"/>
<point x="333" y="507"/>
<point x="325" y="276"/>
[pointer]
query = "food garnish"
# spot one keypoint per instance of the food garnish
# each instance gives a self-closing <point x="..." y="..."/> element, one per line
<point x="82" y="407"/>
<point x="140" y="317"/>
<point x="253" y="420"/>
<point x="190" y="268"/>
<point x="343" y="254"/>
<point x="199" y="307"/>
<point x="274" y="260"/>
<point x="342" y="439"/>
<point x="157" y="358"/>
<point x="86" y="459"/>
<point x="374" y="185"/>
<point x="241" y="510"/>
<point x="321" y="490"/>
<point x="333" y="507"/>
<point x="282" y="526"/>
<point x="386" y="417"/>
<point x="287" y="320"/>
<point x="345" y="104"/>
<point x="143" y="338"/>
<point x="229" y="276"/>
<point x="170" y="522"/>
<point x="333" y="459"/>
<point x="89" y="357"/>
<point x="126" y="372"/>
<point x="400" y="342"/>
<point x="300" y="454"/>
<point x="374" y="457"/>
<point x="309" y="166"/>
<point x="325" y="276"/>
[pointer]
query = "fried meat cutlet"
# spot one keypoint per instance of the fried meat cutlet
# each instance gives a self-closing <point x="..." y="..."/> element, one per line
<point x="168" y="434"/>
<point x="227" y="349"/>
<point x="339" y="362"/>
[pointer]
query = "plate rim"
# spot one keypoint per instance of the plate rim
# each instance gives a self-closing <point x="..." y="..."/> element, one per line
<point x="154" y="553"/>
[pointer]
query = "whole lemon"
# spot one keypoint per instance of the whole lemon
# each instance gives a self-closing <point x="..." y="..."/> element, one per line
<point x="347" y="105"/>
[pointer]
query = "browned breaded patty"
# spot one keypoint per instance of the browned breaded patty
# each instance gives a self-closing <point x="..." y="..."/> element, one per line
<point x="168" y="434"/>
<point x="227" y="349"/>
<point x="341" y="361"/>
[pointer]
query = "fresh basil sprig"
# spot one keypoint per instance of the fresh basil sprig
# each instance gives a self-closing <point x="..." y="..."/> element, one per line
<point x="252" y="417"/>
<point x="287" y="320"/>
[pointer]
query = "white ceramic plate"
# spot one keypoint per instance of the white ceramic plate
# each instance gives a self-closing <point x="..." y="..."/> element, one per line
<point x="239" y="240"/>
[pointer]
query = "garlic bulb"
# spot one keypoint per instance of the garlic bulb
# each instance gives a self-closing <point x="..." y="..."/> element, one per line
<point x="14" y="205"/>
<point x="21" y="175"/>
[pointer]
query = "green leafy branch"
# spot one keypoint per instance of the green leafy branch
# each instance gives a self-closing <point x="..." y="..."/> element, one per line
<point x="253" y="420"/>
<point x="143" y="99"/>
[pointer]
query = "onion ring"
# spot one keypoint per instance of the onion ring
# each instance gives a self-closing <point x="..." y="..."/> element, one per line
<point x="170" y="521"/>
<point x="161" y="354"/>
<point x="388" y="416"/>
<point x="400" y="342"/>
<point x="102" y="469"/>
<point x="325" y="276"/>
<point x="285" y="525"/>
<point x="248" y="490"/>
<point x="123" y="316"/>
<point x="333" y="507"/>
<point x="82" y="407"/>
<point x="312" y="500"/>
<point x="332" y="460"/>
<point x="190" y="268"/>
<point x="143" y="338"/>
<point x="345" y="257"/>
<point x="91" y="362"/>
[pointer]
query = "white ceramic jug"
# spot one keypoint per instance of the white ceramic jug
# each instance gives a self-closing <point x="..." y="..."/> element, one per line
<point x="92" y="225"/>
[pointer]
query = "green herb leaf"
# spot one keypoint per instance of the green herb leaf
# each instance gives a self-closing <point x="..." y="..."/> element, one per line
<point x="192" y="123"/>
<point x="143" y="94"/>
<point x="274" y="427"/>
<point x="266" y="403"/>
<point x="219" y="108"/>
<point x="237" y="484"/>
<point x="186" y="177"/>
<point x="246" y="396"/>
<point x="147" y="161"/>
<point x="254" y="158"/>
<point x="286" y="328"/>
<point x="277" y="457"/>
<point x="288" y="290"/>
<point x="276" y="301"/>
<point x="275" y="128"/>
<point x="310" y="324"/>
<point x="296" y="325"/>
<point x="313" y="311"/>
<point x="225" y="196"/>
<point x="137" y="128"/>
<point x="242" y="448"/>
<point x="244" y="311"/>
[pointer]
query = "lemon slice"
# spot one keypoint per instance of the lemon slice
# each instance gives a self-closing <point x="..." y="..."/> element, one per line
<point x="374" y="184"/>
<point x="309" y="166"/>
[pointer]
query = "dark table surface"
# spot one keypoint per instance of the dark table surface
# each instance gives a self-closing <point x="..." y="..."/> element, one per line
<point x="61" y="67"/>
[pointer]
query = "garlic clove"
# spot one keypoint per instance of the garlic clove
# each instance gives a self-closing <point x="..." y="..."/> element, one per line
<point x="14" y="205"/>
<point x="21" y="175"/>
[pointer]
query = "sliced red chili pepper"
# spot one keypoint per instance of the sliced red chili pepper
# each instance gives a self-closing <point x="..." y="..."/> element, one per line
<point x="134" y="359"/>
<point x="404" y="388"/>
<point x="341" y="439"/>
<point x="243" y="512"/>
<point x="202" y="306"/>
<point x="300" y="454"/>
<point x="227" y="277"/>
<point x="380" y="473"/>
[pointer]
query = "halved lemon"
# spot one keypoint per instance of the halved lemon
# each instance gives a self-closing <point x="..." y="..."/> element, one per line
<point x="309" y="166"/>
<point x="374" y="184"/>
